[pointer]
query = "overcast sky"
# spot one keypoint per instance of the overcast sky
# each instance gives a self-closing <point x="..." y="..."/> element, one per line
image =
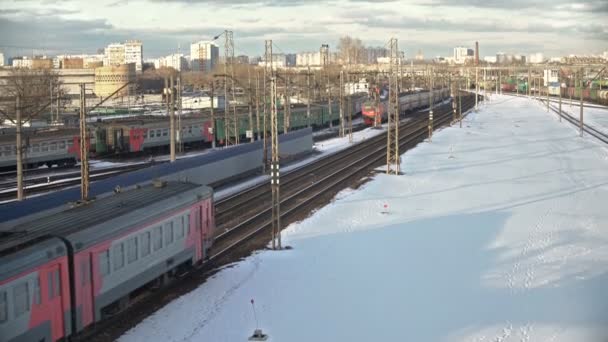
<point x="555" y="27"/>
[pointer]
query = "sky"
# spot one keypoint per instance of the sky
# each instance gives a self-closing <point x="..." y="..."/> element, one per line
<point x="554" y="27"/>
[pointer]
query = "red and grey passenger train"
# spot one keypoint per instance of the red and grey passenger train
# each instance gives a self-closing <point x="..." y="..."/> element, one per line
<point x="62" y="272"/>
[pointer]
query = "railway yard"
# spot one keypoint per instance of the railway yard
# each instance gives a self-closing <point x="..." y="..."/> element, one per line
<point x="350" y="193"/>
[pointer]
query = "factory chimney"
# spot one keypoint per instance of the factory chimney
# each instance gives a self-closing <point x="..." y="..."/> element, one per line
<point x="476" y="53"/>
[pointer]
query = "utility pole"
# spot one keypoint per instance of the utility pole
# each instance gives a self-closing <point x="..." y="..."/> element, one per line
<point x="431" y="105"/>
<point x="341" y="103"/>
<point x="308" y="97"/>
<point x="560" y="99"/>
<point x="212" y="115"/>
<point x="529" y="84"/>
<point x="249" y="91"/>
<point x="325" y="57"/>
<point x="547" y="89"/>
<point x="268" y="75"/>
<point x="171" y="119"/>
<point x="287" y="105"/>
<point x="231" y="128"/>
<point x="392" y="135"/>
<point x="350" y="114"/>
<point x="275" y="173"/>
<point x="581" y="124"/>
<point x="452" y="95"/>
<point x="378" y="116"/>
<point x="19" y="148"/>
<point x="459" y="105"/>
<point x="84" y="151"/>
<point x="476" y="88"/>
<point x="257" y="105"/>
<point x="180" y="145"/>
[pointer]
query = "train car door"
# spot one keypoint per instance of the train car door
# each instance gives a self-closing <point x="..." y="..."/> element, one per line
<point x="118" y="139"/>
<point x="54" y="300"/>
<point x="87" y="313"/>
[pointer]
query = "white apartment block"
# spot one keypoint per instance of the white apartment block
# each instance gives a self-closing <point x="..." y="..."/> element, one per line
<point x="176" y="61"/>
<point x="204" y="55"/>
<point x="134" y="53"/>
<point x="114" y="54"/>
<point x="309" y="59"/>
<point x="1" y="59"/>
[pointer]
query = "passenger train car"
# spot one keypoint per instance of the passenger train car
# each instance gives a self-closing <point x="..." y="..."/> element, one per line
<point x="40" y="147"/>
<point x="64" y="271"/>
<point x="379" y="113"/>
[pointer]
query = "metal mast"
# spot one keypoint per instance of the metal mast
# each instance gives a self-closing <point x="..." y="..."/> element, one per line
<point x="268" y="74"/>
<point x="230" y="128"/>
<point x="274" y="167"/>
<point x="84" y="151"/>
<point x="392" y="135"/>
<point x="325" y="60"/>
<point x="341" y="103"/>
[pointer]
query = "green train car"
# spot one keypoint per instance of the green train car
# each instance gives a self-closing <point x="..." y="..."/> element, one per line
<point x="319" y="117"/>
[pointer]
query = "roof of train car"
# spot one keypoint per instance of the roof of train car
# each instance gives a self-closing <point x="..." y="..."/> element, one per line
<point x="9" y="137"/>
<point x="84" y="216"/>
<point x="16" y="210"/>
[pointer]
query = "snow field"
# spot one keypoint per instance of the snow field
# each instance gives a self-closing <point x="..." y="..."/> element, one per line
<point x="494" y="233"/>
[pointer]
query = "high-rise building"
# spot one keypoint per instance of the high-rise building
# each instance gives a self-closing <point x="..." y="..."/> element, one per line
<point x="242" y="59"/>
<point x="501" y="58"/>
<point x="420" y="55"/>
<point x="114" y="54"/>
<point x="536" y="58"/>
<point x="1" y="59"/>
<point x="204" y="55"/>
<point x="461" y="54"/>
<point x="134" y="53"/>
<point x="309" y="58"/>
<point x="290" y="59"/>
<point x="176" y="61"/>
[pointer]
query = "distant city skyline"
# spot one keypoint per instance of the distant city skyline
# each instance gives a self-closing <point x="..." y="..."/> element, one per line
<point x="555" y="28"/>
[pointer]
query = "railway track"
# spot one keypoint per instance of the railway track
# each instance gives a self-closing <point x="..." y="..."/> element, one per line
<point x="601" y="136"/>
<point x="35" y="185"/>
<point x="242" y="216"/>
<point x="594" y="132"/>
<point x="312" y="185"/>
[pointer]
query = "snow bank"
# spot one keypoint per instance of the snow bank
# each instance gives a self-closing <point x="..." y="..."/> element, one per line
<point x="494" y="233"/>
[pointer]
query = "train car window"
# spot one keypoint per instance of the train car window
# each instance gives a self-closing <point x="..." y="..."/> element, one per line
<point x="188" y="224"/>
<point x="145" y="244"/>
<point x="37" y="291"/>
<point x="3" y="307"/>
<point x="157" y="237"/>
<point x="118" y="256"/>
<point x="165" y="132"/>
<point x="104" y="262"/>
<point x="158" y="132"/>
<point x="62" y="145"/>
<point x="132" y="249"/>
<point x="151" y="133"/>
<point x="44" y="147"/>
<point x="21" y="295"/>
<point x="190" y="129"/>
<point x="53" y="146"/>
<point x="169" y="233"/>
<point x="180" y="228"/>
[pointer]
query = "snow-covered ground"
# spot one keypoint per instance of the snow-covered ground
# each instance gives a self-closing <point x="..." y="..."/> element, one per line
<point x="594" y="117"/>
<point x="494" y="233"/>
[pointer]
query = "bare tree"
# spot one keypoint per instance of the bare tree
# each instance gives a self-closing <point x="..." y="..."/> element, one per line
<point x="25" y="95"/>
<point x="351" y="50"/>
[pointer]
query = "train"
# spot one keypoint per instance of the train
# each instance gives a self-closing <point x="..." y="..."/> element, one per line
<point x="376" y="114"/>
<point x="62" y="272"/>
<point x="50" y="147"/>
<point x="140" y="134"/>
